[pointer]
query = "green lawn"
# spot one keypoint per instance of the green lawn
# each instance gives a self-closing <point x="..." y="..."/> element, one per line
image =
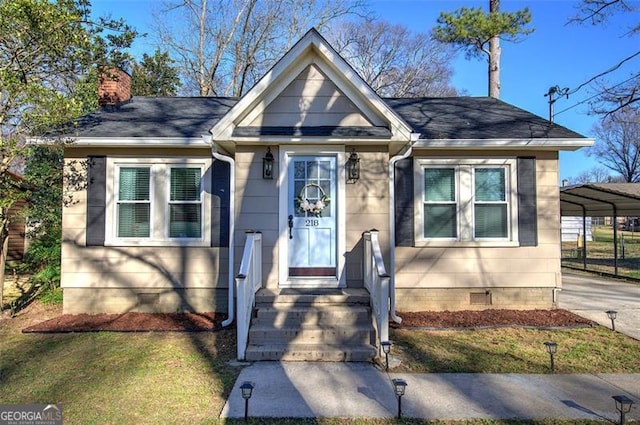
<point x="506" y="350"/>
<point x="120" y="378"/>
<point x="600" y="253"/>
<point x="185" y="378"/>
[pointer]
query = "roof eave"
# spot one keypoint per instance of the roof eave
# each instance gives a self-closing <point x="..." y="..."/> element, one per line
<point x="309" y="139"/>
<point x="550" y="144"/>
<point x="139" y="142"/>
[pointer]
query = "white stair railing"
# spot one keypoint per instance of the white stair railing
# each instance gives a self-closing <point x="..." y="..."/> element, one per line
<point x="376" y="280"/>
<point x="248" y="282"/>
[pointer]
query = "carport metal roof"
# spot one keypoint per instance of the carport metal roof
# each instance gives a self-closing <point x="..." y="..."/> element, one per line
<point x="600" y="200"/>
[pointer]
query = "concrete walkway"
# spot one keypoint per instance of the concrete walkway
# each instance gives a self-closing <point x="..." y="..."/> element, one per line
<point x="360" y="390"/>
<point x="591" y="296"/>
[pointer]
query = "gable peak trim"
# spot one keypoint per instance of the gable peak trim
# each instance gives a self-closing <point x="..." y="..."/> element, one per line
<point x="314" y="49"/>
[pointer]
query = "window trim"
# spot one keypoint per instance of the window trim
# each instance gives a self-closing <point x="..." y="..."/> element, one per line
<point x="465" y="208"/>
<point x="159" y="192"/>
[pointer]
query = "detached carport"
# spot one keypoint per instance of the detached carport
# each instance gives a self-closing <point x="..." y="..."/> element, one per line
<point x="600" y="200"/>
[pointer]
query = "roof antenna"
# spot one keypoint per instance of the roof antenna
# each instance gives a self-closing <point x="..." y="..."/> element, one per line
<point x="555" y="90"/>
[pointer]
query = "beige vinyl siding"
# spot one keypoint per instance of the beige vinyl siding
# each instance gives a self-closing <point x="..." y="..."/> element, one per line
<point x="117" y="279"/>
<point x="367" y="205"/>
<point x="257" y="208"/>
<point x="367" y="208"/>
<point x="436" y="278"/>
<point x="311" y="99"/>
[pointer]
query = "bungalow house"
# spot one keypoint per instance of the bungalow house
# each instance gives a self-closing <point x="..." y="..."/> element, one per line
<point x="311" y="210"/>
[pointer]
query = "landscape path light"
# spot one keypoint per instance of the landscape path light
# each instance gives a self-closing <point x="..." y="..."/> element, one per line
<point x="247" y="389"/>
<point x="386" y="349"/>
<point x="552" y="348"/>
<point x="623" y="405"/>
<point x="399" y="386"/>
<point x="612" y="314"/>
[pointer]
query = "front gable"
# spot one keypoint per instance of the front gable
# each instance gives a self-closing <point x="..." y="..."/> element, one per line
<point x="311" y="92"/>
<point x="311" y="100"/>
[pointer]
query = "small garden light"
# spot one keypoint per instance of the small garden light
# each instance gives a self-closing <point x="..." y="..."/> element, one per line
<point x="386" y="349"/>
<point x="623" y="405"/>
<point x="612" y="314"/>
<point x="399" y="386"/>
<point x="552" y="348"/>
<point x="246" y="388"/>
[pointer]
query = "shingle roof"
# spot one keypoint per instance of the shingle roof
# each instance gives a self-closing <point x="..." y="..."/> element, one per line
<point x="156" y="117"/>
<point x="434" y="118"/>
<point x="474" y="118"/>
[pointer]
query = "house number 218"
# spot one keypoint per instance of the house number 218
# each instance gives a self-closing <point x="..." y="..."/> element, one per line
<point x="311" y="222"/>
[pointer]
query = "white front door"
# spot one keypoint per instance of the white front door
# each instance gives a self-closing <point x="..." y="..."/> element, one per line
<point x="312" y="219"/>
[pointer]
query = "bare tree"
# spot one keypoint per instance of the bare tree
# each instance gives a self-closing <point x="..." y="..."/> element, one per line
<point x="394" y="61"/>
<point x="222" y="47"/>
<point x="617" y="144"/>
<point x="593" y="175"/>
<point x="611" y="97"/>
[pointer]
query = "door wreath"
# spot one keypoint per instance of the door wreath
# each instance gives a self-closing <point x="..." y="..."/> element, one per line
<point x="309" y="207"/>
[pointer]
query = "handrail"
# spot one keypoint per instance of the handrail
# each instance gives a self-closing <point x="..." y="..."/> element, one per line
<point x="248" y="282"/>
<point x="376" y="280"/>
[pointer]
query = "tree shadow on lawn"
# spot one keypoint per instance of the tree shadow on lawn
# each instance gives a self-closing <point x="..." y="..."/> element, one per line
<point x="514" y="351"/>
<point x="439" y="352"/>
<point x="120" y="377"/>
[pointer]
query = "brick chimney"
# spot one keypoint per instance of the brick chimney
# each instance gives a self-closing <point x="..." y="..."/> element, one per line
<point x="114" y="87"/>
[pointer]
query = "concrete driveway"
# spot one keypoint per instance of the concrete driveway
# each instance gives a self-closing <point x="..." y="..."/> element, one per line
<point x="591" y="296"/>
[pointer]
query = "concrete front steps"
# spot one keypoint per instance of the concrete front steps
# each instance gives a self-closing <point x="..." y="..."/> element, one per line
<point x="311" y="325"/>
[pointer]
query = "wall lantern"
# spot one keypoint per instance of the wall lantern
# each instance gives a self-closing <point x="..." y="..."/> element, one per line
<point x="267" y="165"/>
<point x="623" y="405"/>
<point x="353" y="167"/>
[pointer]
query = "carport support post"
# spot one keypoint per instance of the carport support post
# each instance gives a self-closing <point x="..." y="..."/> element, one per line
<point x="584" y="237"/>
<point x="615" y="240"/>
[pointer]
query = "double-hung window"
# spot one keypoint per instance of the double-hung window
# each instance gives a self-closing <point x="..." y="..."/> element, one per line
<point x="465" y="201"/>
<point x="185" y="203"/>
<point x="158" y="202"/>
<point x="134" y="202"/>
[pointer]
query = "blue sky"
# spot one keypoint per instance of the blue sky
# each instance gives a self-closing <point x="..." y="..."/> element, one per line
<point x="557" y="53"/>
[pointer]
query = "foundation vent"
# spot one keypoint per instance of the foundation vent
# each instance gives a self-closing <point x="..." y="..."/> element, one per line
<point x="148" y="299"/>
<point x="480" y="298"/>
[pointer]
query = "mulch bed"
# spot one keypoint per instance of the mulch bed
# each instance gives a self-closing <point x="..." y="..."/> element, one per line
<point x="493" y="318"/>
<point x="130" y="322"/>
<point x="194" y="322"/>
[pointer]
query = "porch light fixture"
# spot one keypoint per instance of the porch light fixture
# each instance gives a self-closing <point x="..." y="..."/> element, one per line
<point x="246" y="389"/>
<point x="353" y="167"/>
<point x="267" y="165"/>
<point x="399" y="386"/>
<point x="386" y="349"/>
<point x="623" y="405"/>
<point x="552" y="348"/>
<point x="612" y="314"/>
